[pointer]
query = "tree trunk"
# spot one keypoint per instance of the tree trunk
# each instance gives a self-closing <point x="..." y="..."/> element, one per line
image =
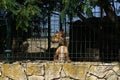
<point x="110" y="13"/>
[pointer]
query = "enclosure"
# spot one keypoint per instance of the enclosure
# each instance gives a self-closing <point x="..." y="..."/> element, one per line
<point x="95" y="37"/>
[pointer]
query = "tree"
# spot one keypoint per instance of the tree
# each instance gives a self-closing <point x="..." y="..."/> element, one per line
<point x="79" y="7"/>
<point x="22" y="13"/>
<point x="20" y="16"/>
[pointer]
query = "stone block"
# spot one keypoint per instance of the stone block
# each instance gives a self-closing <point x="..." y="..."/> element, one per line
<point x="76" y="71"/>
<point x="112" y="77"/>
<point x="91" y="78"/>
<point x="52" y="71"/>
<point x="65" y="79"/>
<point x="14" y="71"/>
<point x="101" y="71"/>
<point x="34" y="69"/>
<point x="3" y="78"/>
<point x="34" y="77"/>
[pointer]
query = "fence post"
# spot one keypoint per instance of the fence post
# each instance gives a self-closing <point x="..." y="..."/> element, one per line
<point x="70" y="33"/>
<point x="8" y="41"/>
<point x="60" y="23"/>
<point x="49" y="31"/>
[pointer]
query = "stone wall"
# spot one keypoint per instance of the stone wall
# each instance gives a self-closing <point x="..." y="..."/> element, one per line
<point x="38" y="70"/>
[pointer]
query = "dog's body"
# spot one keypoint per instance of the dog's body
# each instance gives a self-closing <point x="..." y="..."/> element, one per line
<point x="62" y="53"/>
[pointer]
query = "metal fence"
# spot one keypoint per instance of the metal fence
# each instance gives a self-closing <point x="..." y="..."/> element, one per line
<point x="35" y="44"/>
<point x="95" y="39"/>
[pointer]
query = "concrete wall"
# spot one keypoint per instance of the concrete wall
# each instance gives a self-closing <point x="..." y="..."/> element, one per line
<point x="38" y="70"/>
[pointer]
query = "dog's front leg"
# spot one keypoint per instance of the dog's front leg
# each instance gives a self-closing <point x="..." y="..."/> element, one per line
<point x="67" y="57"/>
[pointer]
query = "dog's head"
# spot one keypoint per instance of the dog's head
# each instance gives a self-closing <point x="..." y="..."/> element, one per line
<point x="58" y="37"/>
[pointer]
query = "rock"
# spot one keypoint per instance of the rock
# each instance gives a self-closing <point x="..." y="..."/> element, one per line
<point x="116" y="69"/>
<point x="52" y="71"/>
<point x="113" y="77"/>
<point x="34" y="77"/>
<point x="118" y="72"/>
<point x="102" y="71"/>
<point x="3" y="78"/>
<point x="59" y="71"/>
<point x="62" y="73"/>
<point x="91" y="78"/>
<point x="34" y="69"/>
<point x="65" y="79"/>
<point x="118" y="78"/>
<point x="0" y="73"/>
<point x="109" y="74"/>
<point x="76" y="71"/>
<point x="92" y="69"/>
<point x="14" y="71"/>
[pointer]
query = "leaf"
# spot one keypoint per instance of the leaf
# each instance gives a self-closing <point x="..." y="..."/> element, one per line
<point x="4" y="4"/>
<point x="89" y="12"/>
<point x="65" y="1"/>
<point x="63" y="16"/>
<point x="25" y="29"/>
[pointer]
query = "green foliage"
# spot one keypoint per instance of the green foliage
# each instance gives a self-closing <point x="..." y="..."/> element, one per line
<point x="23" y="12"/>
<point x="70" y="7"/>
<point x="9" y="5"/>
<point x="87" y="7"/>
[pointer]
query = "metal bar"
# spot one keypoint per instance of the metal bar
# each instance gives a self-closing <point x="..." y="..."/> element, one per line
<point x="49" y="31"/>
<point x="8" y="41"/>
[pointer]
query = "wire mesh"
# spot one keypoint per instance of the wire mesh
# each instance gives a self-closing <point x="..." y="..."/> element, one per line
<point x="95" y="39"/>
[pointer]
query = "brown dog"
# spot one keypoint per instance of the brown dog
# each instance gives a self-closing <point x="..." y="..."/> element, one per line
<point x="62" y="53"/>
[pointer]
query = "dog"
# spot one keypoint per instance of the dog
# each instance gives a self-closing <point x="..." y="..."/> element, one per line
<point x="61" y="53"/>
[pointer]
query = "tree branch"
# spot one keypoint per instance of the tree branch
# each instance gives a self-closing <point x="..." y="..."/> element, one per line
<point x="105" y="4"/>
